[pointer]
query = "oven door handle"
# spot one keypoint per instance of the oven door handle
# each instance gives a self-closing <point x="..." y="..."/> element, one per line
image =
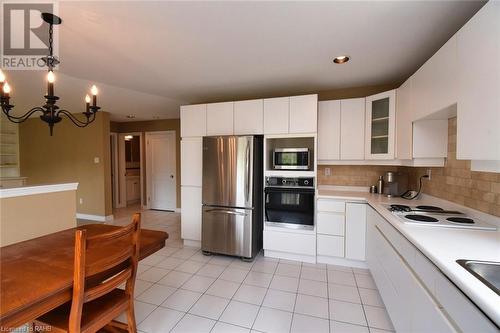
<point x="289" y="190"/>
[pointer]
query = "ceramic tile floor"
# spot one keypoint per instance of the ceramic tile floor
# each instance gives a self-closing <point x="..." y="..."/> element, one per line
<point x="178" y="289"/>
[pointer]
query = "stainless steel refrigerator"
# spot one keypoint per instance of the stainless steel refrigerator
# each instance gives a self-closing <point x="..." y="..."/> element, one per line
<point x="232" y="196"/>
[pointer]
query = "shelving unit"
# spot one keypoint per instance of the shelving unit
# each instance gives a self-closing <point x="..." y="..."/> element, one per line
<point x="9" y="154"/>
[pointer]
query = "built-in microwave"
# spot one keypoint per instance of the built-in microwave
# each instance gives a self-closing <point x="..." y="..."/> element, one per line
<point x="291" y="159"/>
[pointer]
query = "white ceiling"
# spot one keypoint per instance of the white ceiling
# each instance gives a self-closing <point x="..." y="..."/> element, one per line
<point x="150" y="57"/>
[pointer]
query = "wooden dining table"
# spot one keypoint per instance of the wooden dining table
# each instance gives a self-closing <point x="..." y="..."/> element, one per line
<point x="37" y="275"/>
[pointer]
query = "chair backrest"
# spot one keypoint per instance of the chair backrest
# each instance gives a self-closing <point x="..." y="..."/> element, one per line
<point x="102" y="263"/>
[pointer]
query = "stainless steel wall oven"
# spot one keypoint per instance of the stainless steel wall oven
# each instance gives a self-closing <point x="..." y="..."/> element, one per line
<point x="289" y="202"/>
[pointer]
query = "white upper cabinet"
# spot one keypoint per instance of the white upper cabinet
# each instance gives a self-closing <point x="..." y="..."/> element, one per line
<point x="193" y="120"/>
<point x="303" y="114"/>
<point x="352" y="129"/>
<point x="404" y="117"/>
<point x="191" y="161"/>
<point x="435" y="84"/>
<point x="380" y="126"/>
<point x="220" y="118"/>
<point x="249" y="117"/>
<point x="443" y="86"/>
<point x="478" y="107"/>
<point x="276" y="116"/>
<point x="329" y="130"/>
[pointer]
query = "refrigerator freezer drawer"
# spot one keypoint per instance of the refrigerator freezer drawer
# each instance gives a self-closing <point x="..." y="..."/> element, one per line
<point x="227" y="231"/>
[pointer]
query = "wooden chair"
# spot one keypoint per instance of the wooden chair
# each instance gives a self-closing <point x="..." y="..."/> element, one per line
<point x="102" y="263"/>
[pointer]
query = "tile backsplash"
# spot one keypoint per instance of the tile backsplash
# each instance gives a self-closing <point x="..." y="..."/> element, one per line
<point x="352" y="175"/>
<point x="454" y="182"/>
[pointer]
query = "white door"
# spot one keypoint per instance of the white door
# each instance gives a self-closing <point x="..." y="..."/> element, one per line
<point x="161" y="173"/>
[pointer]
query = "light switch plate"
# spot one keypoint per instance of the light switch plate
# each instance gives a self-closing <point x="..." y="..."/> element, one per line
<point x="96" y="160"/>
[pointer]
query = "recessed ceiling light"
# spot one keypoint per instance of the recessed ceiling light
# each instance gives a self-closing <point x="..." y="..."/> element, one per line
<point x="131" y="116"/>
<point x="341" y="59"/>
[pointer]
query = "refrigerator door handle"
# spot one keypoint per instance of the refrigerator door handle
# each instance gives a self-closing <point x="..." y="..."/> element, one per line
<point x="225" y="211"/>
<point x="247" y="178"/>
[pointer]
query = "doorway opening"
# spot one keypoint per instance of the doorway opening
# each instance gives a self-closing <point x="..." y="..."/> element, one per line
<point x="161" y="173"/>
<point x="127" y="169"/>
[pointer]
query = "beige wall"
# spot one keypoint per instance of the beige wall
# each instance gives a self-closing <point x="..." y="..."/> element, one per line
<point x="454" y="182"/>
<point x="30" y="216"/>
<point x="68" y="156"/>
<point x="154" y="126"/>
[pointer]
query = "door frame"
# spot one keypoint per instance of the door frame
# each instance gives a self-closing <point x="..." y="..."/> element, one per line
<point x="115" y="170"/>
<point x="148" y="135"/>
<point x="122" y="188"/>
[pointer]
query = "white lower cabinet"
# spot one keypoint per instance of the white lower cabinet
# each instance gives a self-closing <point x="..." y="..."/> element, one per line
<point x="191" y="213"/>
<point x="340" y="230"/>
<point x="290" y="244"/>
<point x="355" y="231"/>
<point x="418" y="297"/>
<point x="331" y="246"/>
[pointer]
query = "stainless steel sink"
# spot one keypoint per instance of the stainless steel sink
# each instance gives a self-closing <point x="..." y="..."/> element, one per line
<point x="487" y="272"/>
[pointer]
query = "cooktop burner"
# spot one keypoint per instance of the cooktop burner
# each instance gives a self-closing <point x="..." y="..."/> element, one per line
<point x="400" y="208"/>
<point x="428" y="207"/>
<point x="421" y="218"/>
<point x="464" y="220"/>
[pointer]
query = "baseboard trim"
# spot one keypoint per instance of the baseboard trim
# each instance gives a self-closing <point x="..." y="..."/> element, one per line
<point x="341" y="262"/>
<point x="192" y="243"/>
<point x="98" y="218"/>
<point x="290" y="256"/>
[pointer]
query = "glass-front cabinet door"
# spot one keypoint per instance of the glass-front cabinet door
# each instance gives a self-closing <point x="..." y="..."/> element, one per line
<point x="380" y="126"/>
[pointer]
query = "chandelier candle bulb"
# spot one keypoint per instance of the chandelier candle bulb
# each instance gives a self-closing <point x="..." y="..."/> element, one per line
<point x="2" y="81"/>
<point x="50" y="79"/>
<point x="93" y="90"/>
<point x="6" y="90"/>
<point x="87" y="103"/>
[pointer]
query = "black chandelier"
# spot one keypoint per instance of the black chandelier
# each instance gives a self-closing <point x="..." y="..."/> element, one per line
<point x="50" y="112"/>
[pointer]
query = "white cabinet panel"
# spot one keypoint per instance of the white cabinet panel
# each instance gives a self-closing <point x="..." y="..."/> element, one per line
<point x="332" y="246"/>
<point x="191" y="161"/>
<point x="191" y="213"/>
<point x="380" y="126"/>
<point x="420" y="92"/>
<point x="329" y="130"/>
<point x="220" y="118"/>
<point x="193" y="120"/>
<point x="404" y="117"/>
<point x="352" y="129"/>
<point x="303" y="114"/>
<point x="355" y="231"/>
<point x="249" y="117"/>
<point x="329" y="205"/>
<point x="466" y="315"/>
<point x="478" y="115"/>
<point x="296" y="243"/>
<point x="430" y="138"/>
<point x="330" y="223"/>
<point x="435" y="83"/>
<point x="276" y="115"/>
<point x="442" y="85"/>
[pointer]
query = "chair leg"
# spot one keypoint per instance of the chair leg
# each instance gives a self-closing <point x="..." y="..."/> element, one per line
<point x="132" y="326"/>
